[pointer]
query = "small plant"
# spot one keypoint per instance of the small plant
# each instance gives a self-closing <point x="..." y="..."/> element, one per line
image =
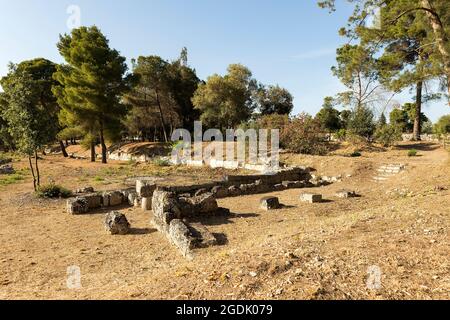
<point x="412" y="153"/>
<point x="160" y="162"/>
<point x="52" y="190"/>
<point x="99" y="179"/>
<point x="11" y="179"/>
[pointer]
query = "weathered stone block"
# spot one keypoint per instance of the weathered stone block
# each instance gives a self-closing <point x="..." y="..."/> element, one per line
<point x="346" y="194"/>
<point x="77" y="206"/>
<point x="311" y="197"/>
<point x="270" y="203"/>
<point x="180" y="235"/>
<point x="94" y="201"/>
<point x="203" y="237"/>
<point x="146" y="204"/>
<point x="112" y="198"/>
<point x="116" y="223"/>
<point x="205" y="203"/>
<point x="145" y="188"/>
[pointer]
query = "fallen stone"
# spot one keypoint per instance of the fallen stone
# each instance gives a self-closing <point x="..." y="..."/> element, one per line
<point x="180" y="235"/>
<point x="270" y="203"/>
<point x="311" y="197"/>
<point x="346" y="194"/>
<point x="203" y="237"/>
<point x="77" y="206"/>
<point x="116" y="223"/>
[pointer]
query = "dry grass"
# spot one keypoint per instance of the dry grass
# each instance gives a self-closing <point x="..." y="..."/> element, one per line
<point x="304" y="251"/>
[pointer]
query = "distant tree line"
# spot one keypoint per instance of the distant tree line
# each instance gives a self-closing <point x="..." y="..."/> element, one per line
<point x="94" y="99"/>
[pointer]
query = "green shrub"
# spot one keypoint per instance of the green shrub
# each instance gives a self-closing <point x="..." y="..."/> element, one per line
<point x="412" y="153"/>
<point x="304" y="135"/>
<point x="388" y="135"/>
<point x="52" y="190"/>
<point x="341" y="134"/>
<point x="160" y="162"/>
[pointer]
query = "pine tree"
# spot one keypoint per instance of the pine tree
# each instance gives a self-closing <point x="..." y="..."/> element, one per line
<point x="92" y="83"/>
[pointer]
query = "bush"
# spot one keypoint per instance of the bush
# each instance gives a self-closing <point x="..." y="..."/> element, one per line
<point x="412" y="153"/>
<point x="52" y="190"/>
<point x="341" y="134"/>
<point x="355" y="154"/>
<point x="388" y="135"/>
<point x="303" y="135"/>
<point x="160" y="162"/>
<point x="361" y="122"/>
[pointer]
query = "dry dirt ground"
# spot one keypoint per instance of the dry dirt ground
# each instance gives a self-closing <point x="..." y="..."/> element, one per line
<point x="390" y="243"/>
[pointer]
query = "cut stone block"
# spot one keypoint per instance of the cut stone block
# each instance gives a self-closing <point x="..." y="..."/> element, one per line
<point x="112" y="198"/>
<point x="180" y="235"/>
<point x="203" y="237"/>
<point x="77" y="206"/>
<point x="346" y="194"/>
<point x="94" y="201"/>
<point x="146" y="204"/>
<point x="270" y="203"/>
<point x="145" y="188"/>
<point x="116" y="223"/>
<point x="311" y="197"/>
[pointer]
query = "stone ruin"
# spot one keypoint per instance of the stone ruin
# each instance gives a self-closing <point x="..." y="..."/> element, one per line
<point x="176" y="210"/>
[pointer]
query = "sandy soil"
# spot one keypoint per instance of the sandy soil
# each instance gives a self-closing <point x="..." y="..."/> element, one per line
<point x="304" y="251"/>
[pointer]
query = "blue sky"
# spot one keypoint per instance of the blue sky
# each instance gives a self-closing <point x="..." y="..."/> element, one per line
<point x="287" y="42"/>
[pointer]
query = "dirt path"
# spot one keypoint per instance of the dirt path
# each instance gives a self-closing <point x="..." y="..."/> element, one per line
<point x="398" y="229"/>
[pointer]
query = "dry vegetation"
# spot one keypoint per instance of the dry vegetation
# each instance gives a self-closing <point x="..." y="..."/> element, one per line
<point x="304" y="251"/>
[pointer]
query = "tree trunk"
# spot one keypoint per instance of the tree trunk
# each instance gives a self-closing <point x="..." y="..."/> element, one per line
<point x="38" y="176"/>
<point x="163" y="123"/>
<point x="92" y="151"/>
<point x="441" y="38"/>
<point x="63" y="149"/>
<point x="417" y="120"/>
<point x="32" y="173"/>
<point x="102" y="142"/>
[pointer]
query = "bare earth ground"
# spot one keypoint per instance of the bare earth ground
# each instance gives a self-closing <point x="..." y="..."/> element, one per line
<point x="304" y="251"/>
